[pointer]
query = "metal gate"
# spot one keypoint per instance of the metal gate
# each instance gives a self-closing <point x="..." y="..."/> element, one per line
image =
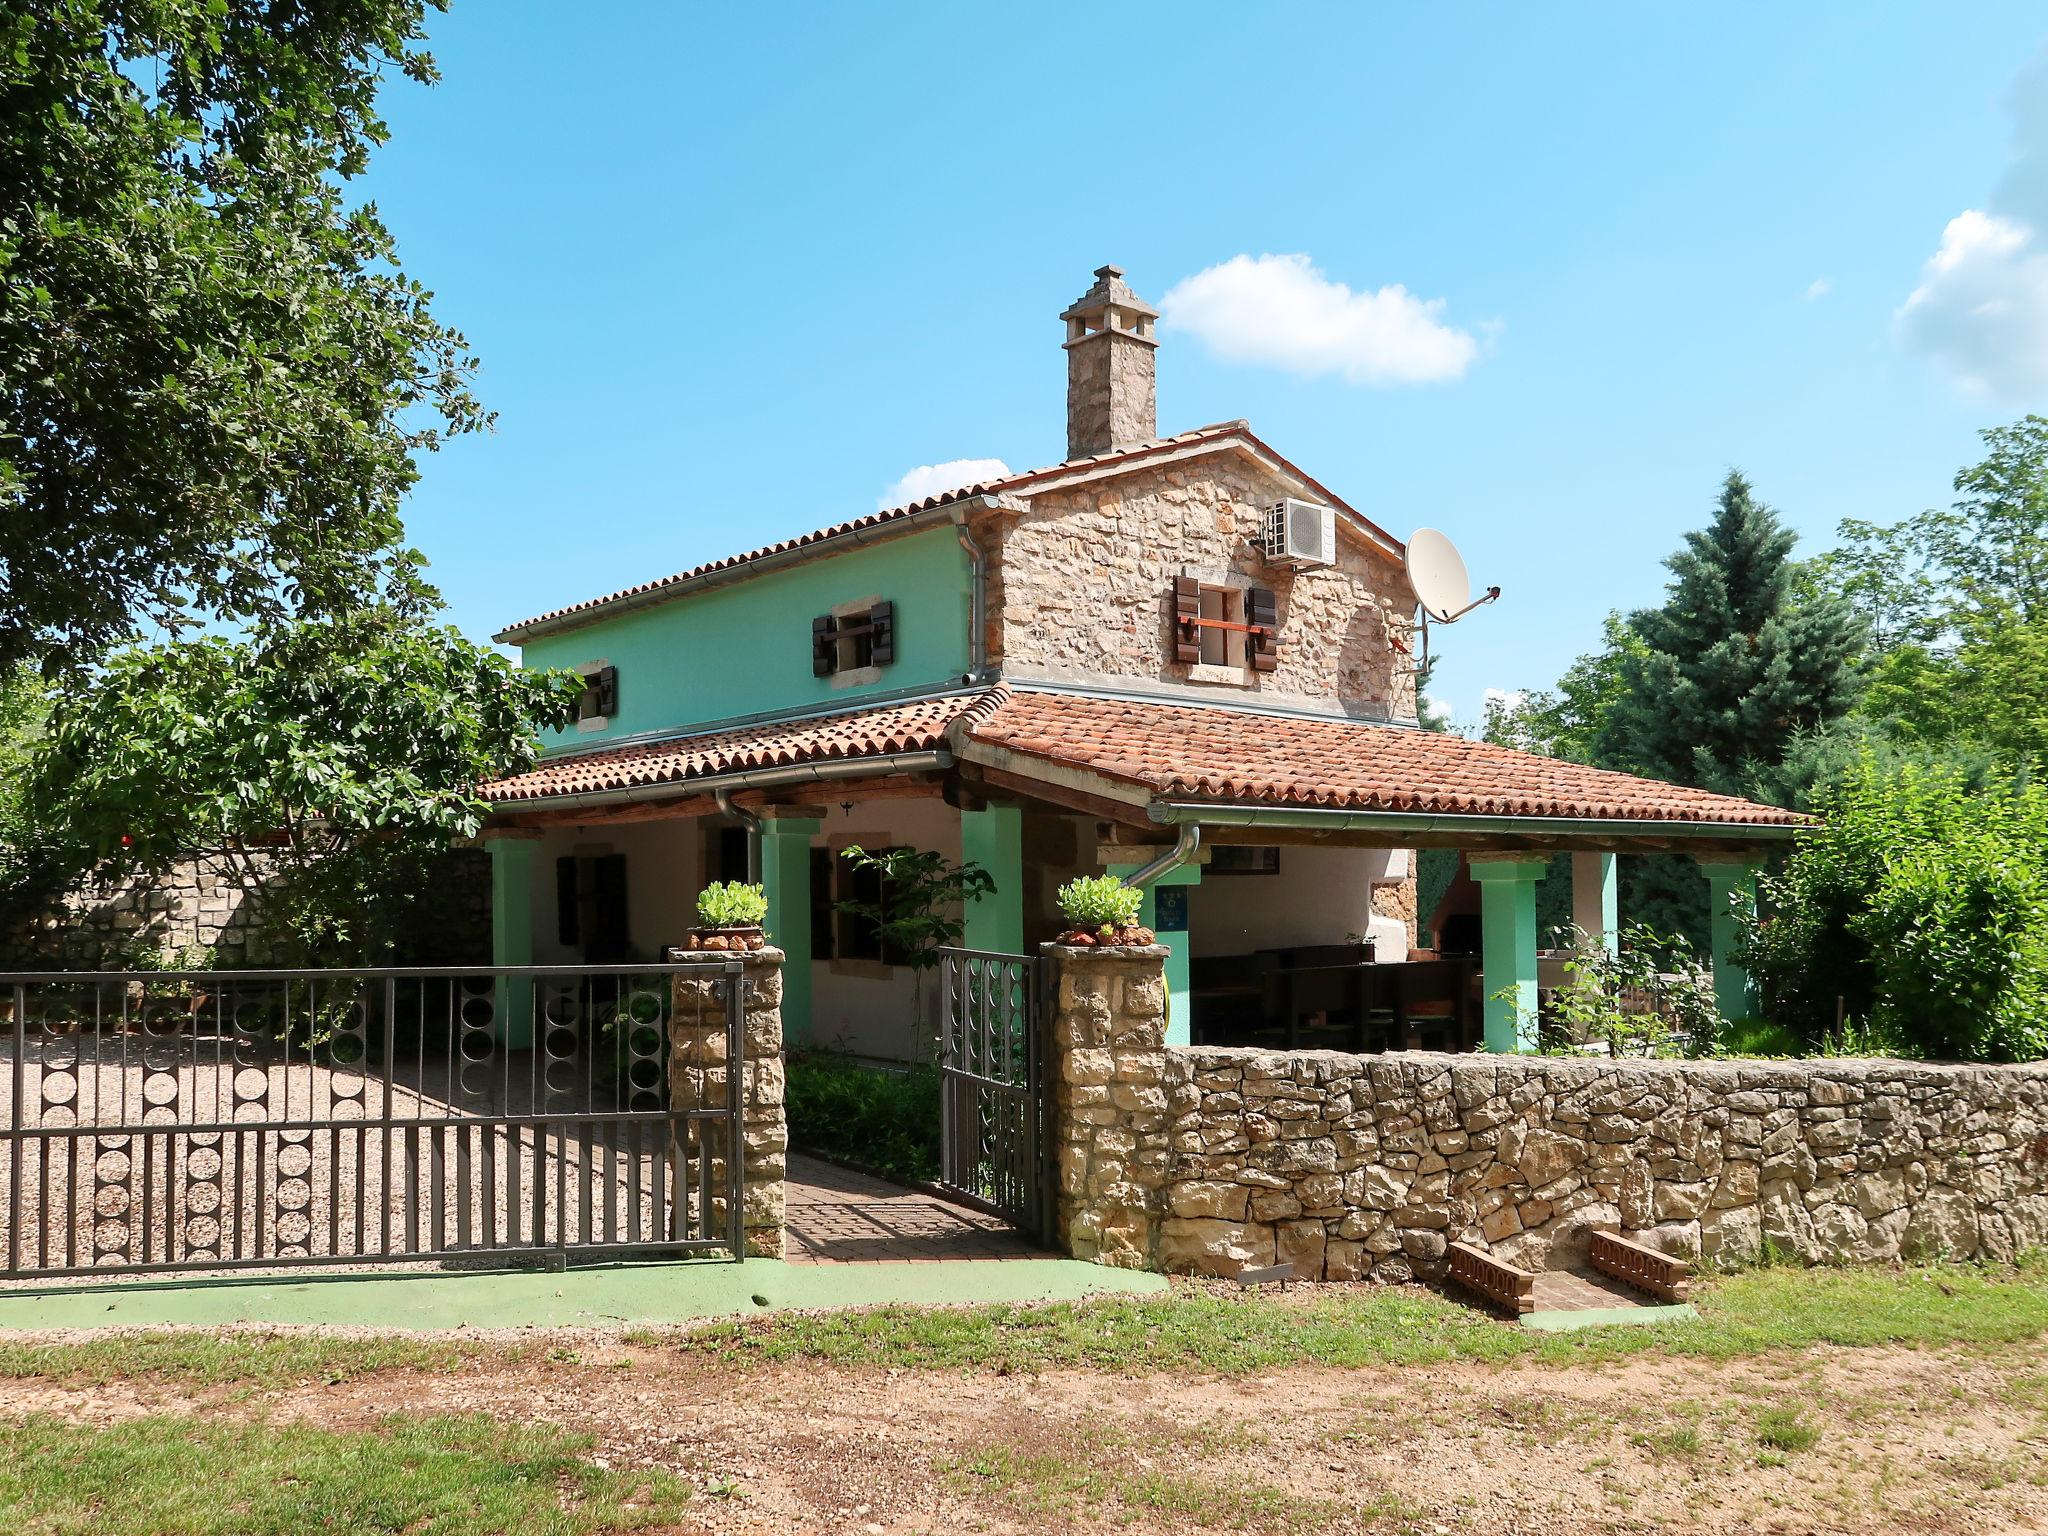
<point x="247" y="1119"/>
<point x="994" y="1150"/>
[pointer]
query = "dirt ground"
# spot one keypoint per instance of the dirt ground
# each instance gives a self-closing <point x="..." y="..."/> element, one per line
<point x="1906" y="1440"/>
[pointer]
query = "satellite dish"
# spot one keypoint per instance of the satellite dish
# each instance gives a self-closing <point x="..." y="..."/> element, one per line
<point x="1437" y="572"/>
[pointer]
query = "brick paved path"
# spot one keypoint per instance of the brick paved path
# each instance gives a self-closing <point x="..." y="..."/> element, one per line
<point x="1572" y="1290"/>
<point x="836" y="1216"/>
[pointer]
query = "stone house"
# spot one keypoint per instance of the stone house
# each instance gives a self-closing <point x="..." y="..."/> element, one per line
<point x="1122" y="662"/>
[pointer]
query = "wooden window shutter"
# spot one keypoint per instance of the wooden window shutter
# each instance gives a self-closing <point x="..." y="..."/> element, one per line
<point x="1187" y="607"/>
<point x="568" y="925"/>
<point x="606" y="684"/>
<point x="1262" y="612"/>
<point x="824" y="645"/>
<point x="882" y="634"/>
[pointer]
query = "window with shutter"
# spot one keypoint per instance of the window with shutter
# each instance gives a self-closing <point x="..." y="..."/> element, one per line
<point x="852" y="639"/>
<point x="1224" y="630"/>
<point x="599" y="700"/>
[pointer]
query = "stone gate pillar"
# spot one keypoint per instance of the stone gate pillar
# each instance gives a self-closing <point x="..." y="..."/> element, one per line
<point x="1112" y="1118"/>
<point x="697" y="1080"/>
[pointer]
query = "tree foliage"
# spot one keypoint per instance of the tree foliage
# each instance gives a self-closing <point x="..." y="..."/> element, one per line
<point x="1920" y="910"/>
<point x="322" y="762"/>
<point x="1733" y="667"/>
<point x="214" y="376"/>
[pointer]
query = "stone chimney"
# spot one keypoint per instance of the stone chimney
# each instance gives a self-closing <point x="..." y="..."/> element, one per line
<point x="1110" y="368"/>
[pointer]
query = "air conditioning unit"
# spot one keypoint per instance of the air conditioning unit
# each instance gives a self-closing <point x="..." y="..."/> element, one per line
<point x="1300" y="533"/>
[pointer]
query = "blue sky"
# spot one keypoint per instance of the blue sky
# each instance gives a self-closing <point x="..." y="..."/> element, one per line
<point x="735" y="271"/>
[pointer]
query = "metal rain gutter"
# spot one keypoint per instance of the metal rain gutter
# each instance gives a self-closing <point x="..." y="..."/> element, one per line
<point x="977" y="619"/>
<point x="722" y="798"/>
<point x="750" y="778"/>
<point x="1185" y="847"/>
<point x="1324" y="819"/>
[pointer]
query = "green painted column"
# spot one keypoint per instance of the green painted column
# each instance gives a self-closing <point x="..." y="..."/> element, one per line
<point x="1596" y="899"/>
<point x="786" y="881"/>
<point x="1507" y="915"/>
<point x="1173" y="933"/>
<point x="994" y="839"/>
<point x="1734" y="994"/>
<point x="512" y="859"/>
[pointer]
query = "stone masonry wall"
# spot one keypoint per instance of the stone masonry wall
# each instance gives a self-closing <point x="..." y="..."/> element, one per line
<point x="1079" y="588"/>
<point x="697" y="1079"/>
<point x="103" y="926"/>
<point x="1209" y="1160"/>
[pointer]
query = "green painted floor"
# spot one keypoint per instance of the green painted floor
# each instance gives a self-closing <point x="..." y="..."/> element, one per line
<point x="580" y="1298"/>
<point x="1596" y="1317"/>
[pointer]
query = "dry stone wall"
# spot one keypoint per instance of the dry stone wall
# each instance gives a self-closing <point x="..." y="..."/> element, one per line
<point x="1209" y="1160"/>
<point x="199" y="905"/>
<point x="698" y="1063"/>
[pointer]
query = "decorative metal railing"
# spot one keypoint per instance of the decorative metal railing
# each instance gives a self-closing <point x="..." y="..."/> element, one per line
<point x="234" y="1119"/>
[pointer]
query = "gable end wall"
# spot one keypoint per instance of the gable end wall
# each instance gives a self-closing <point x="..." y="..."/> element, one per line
<point x="1079" y="589"/>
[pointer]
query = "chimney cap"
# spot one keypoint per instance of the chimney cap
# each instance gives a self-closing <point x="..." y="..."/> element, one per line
<point x="1108" y="289"/>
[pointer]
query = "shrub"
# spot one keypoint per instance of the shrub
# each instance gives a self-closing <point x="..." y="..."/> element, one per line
<point x="887" y="1121"/>
<point x="731" y="904"/>
<point x="1650" y="998"/>
<point x="1094" y="902"/>
<point x="1917" y="916"/>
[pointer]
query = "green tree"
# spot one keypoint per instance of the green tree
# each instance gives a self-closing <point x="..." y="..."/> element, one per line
<point x="1733" y="666"/>
<point x="322" y="764"/>
<point x="215" y="378"/>
<point x="1993" y="542"/>
<point x="1919" y="909"/>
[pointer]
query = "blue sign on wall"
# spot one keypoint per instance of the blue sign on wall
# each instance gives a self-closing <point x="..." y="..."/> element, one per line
<point x="1170" y="903"/>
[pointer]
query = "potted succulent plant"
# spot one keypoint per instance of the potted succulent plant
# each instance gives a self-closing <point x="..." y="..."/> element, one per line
<point x="1102" y="910"/>
<point x="729" y="914"/>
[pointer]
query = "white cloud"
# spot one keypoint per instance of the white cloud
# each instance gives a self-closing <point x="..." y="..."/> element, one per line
<point x="931" y="479"/>
<point x="1281" y="312"/>
<point x="1819" y="288"/>
<point x="1506" y="698"/>
<point x="1981" y="308"/>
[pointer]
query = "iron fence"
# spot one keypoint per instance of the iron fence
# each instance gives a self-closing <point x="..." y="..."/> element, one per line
<point x="171" y="1120"/>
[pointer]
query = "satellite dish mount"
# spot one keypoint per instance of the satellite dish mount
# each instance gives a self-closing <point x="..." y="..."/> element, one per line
<point x="1443" y="591"/>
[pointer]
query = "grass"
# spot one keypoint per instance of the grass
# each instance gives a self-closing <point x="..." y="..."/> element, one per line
<point x="1063" y="1485"/>
<point x="1754" y="1312"/>
<point x="427" y="1477"/>
<point x="1785" y="1430"/>
<point x="215" y="1359"/>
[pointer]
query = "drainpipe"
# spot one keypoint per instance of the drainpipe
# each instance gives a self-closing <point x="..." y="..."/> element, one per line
<point x="1184" y="848"/>
<point x="977" y="631"/>
<point x="751" y="820"/>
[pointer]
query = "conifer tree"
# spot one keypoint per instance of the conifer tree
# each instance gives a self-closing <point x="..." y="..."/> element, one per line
<point x="1737" y="664"/>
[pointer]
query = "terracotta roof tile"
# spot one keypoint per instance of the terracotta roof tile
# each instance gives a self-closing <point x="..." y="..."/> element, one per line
<point x="1192" y="753"/>
<point x="917" y="726"/>
<point x="1018" y="481"/>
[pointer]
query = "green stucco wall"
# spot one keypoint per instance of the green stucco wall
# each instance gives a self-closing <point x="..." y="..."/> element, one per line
<point x="746" y="649"/>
